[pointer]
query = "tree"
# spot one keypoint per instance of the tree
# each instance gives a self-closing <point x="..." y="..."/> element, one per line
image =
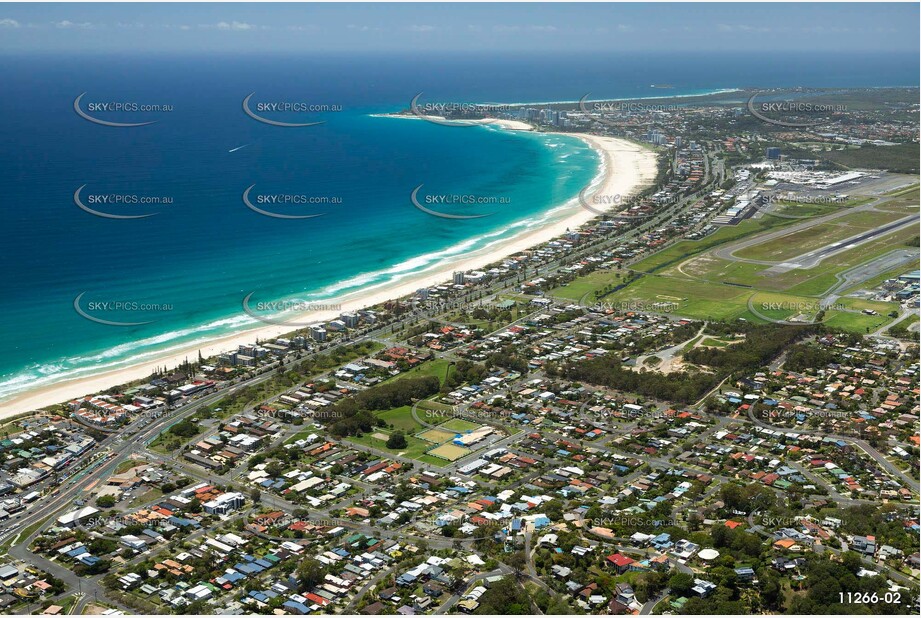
<point x="518" y="561"/>
<point x="681" y="583"/>
<point x="396" y="440"/>
<point x="105" y="502"/>
<point x="505" y="597"/>
<point x="310" y="572"/>
<point x="558" y="606"/>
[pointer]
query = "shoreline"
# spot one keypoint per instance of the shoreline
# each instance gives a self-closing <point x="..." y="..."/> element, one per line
<point x="709" y="93"/>
<point x="625" y="169"/>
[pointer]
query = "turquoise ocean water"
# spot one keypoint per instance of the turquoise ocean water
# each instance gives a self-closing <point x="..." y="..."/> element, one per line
<point x="204" y="250"/>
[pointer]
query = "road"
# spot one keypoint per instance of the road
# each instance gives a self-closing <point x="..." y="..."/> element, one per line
<point x="894" y="575"/>
<point x="868" y="450"/>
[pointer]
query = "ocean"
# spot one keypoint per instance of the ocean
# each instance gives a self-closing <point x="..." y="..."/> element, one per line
<point x="180" y="276"/>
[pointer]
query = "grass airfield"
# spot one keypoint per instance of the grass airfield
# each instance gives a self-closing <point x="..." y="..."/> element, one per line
<point x="704" y="285"/>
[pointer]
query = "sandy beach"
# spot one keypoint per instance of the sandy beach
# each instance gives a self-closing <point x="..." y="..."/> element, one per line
<point x="626" y="169"/>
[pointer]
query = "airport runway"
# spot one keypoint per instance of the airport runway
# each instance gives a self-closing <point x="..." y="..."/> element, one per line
<point x="814" y="257"/>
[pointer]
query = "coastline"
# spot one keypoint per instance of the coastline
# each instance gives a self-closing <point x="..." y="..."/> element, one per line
<point x="625" y="169"/>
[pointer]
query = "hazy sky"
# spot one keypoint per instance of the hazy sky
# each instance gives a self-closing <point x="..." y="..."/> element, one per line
<point x="227" y="27"/>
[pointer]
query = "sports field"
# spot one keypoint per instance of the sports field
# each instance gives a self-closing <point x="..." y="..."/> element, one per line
<point x="459" y="424"/>
<point x="449" y="451"/>
<point x="436" y="436"/>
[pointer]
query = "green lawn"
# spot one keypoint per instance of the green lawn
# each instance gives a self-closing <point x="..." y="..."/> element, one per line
<point x="803" y="210"/>
<point x="701" y="288"/>
<point x="302" y="435"/>
<point x="415" y="447"/>
<point x="778" y="306"/>
<point x="859" y="304"/>
<point x="401" y="418"/>
<point x="800" y="281"/>
<point x="434" y="461"/>
<point x="815" y="281"/>
<point x="794" y="244"/>
<point x="434" y="413"/>
<point x="856" y="322"/>
<point x="905" y="202"/>
<point x="686" y="248"/>
<point x="906" y="323"/>
<point x="695" y="299"/>
<point x="437" y="367"/>
<point x="126" y="465"/>
<point x="587" y="285"/>
<point x="912" y="189"/>
<point x="459" y="424"/>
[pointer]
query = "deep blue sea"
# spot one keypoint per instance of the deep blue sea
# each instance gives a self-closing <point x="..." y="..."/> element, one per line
<point x="204" y="251"/>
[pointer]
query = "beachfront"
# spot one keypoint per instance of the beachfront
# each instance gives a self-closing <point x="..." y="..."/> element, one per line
<point x="626" y="169"/>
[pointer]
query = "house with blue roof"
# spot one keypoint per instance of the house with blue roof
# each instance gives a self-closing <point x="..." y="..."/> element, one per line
<point x="233" y="576"/>
<point x="662" y="541"/>
<point x="247" y="569"/>
<point x="182" y="522"/>
<point x="296" y="608"/>
<point x="541" y="520"/>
